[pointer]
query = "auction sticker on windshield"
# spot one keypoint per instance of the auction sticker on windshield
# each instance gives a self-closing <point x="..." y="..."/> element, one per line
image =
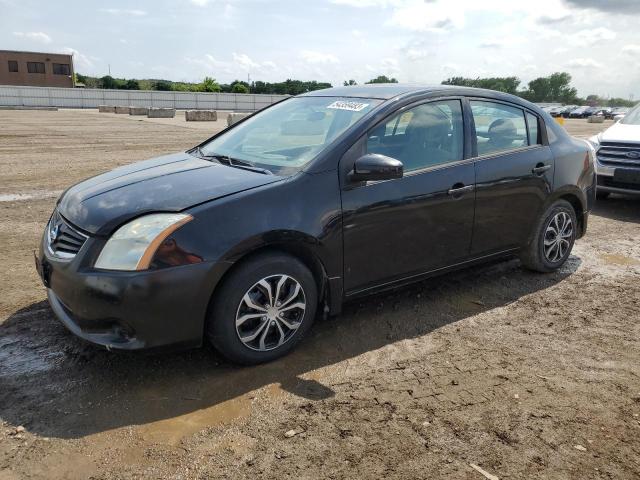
<point x="351" y="106"/>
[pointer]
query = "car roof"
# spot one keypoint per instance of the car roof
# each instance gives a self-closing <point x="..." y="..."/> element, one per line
<point x="382" y="91"/>
<point x="388" y="91"/>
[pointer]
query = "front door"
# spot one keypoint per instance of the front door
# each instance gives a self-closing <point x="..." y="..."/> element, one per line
<point x="399" y="228"/>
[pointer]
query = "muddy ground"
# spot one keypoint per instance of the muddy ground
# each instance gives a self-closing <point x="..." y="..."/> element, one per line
<point x="522" y="374"/>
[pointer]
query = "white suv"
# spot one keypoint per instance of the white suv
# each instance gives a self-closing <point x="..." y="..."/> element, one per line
<point x="618" y="153"/>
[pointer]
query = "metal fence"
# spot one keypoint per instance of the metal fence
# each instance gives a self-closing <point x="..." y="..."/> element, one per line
<point x="92" y="97"/>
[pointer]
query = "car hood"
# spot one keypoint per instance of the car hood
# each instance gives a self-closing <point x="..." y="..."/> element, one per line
<point x="169" y="183"/>
<point x="621" y="132"/>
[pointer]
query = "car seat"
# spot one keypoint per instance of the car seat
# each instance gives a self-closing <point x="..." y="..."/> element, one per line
<point x="426" y="142"/>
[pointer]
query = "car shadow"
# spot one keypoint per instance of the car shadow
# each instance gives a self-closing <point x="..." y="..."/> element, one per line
<point x="57" y="386"/>
<point x="624" y="208"/>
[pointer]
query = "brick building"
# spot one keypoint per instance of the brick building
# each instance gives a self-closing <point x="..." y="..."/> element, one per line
<point x="35" y="69"/>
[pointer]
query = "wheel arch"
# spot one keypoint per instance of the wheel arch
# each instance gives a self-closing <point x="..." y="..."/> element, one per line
<point x="578" y="200"/>
<point x="578" y="208"/>
<point x="295" y="244"/>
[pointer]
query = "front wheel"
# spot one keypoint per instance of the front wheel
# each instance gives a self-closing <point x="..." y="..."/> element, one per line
<point x="553" y="239"/>
<point x="263" y="309"/>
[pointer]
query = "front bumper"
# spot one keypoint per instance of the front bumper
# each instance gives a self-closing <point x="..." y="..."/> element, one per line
<point x="607" y="183"/>
<point x="129" y="310"/>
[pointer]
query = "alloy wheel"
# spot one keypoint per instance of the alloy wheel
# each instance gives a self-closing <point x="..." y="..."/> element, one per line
<point x="270" y="312"/>
<point x="557" y="237"/>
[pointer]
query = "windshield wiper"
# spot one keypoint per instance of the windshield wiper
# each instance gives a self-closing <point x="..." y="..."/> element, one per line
<point x="234" y="162"/>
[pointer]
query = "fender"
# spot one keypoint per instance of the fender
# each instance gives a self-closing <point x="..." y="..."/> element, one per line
<point x="306" y="248"/>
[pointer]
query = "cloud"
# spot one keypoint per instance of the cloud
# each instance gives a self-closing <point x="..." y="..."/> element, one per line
<point x="631" y="49"/>
<point x="420" y="15"/>
<point x="124" y="11"/>
<point x="584" y="63"/>
<point x="311" y="56"/>
<point x="592" y="36"/>
<point x="244" y="62"/>
<point x="493" y="43"/>
<point x="608" y="6"/>
<point x="35" y="36"/>
<point x="553" y="19"/>
<point x="362" y="3"/>
<point x="209" y="64"/>
<point x="417" y="53"/>
<point x="240" y="63"/>
<point x="80" y="60"/>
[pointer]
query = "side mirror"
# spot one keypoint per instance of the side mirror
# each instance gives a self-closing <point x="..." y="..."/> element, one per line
<point x="372" y="166"/>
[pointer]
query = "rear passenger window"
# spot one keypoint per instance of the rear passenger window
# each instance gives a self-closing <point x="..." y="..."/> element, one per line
<point x="498" y="127"/>
<point x="534" y="131"/>
<point x="423" y="136"/>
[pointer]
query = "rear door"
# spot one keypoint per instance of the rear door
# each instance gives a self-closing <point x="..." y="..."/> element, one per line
<point x="400" y="228"/>
<point x="514" y="174"/>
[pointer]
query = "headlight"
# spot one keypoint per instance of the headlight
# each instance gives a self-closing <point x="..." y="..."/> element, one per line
<point x="133" y="245"/>
<point x="594" y="141"/>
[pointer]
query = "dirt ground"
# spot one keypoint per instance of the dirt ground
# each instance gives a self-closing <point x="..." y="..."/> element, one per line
<point x="524" y="375"/>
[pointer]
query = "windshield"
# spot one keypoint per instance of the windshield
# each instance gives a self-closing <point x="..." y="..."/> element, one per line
<point x="632" y="117"/>
<point x="286" y="137"/>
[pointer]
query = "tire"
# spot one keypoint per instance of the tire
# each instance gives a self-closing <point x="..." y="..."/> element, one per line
<point x="271" y="332"/>
<point x="602" y="195"/>
<point x="540" y="258"/>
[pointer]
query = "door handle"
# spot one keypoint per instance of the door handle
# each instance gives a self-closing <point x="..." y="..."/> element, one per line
<point x="459" y="190"/>
<point x="540" y="168"/>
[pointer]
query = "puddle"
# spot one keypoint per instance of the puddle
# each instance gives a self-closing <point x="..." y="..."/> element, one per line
<point x="613" y="259"/>
<point x="37" y="195"/>
<point x="172" y="430"/>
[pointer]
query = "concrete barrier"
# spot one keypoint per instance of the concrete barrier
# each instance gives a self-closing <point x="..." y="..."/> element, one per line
<point x="201" y="115"/>
<point x="161" y="113"/>
<point x="26" y="107"/>
<point x="121" y="109"/>
<point x="236" y="117"/>
<point x="106" y="109"/>
<point x="138" y="110"/>
<point x="596" y="119"/>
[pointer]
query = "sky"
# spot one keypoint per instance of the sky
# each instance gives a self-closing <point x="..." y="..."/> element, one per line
<point x="425" y="41"/>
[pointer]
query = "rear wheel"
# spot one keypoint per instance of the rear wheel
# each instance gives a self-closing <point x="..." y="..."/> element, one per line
<point x="263" y="309"/>
<point x="553" y="239"/>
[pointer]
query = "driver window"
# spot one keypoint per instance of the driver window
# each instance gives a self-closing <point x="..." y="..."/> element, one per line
<point x="424" y="136"/>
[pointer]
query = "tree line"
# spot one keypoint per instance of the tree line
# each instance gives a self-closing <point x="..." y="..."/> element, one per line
<point x="208" y="84"/>
<point x="555" y="88"/>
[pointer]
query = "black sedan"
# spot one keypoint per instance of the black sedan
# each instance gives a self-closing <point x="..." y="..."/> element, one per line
<point x="316" y="200"/>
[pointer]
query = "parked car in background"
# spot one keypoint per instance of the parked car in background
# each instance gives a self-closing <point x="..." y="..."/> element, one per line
<point x="556" y="111"/>
<point x="591" y="111"/>
<point x="567" y="110"/>
<point x="618" y="156"/>
<point x="602" y="111"/>
<point x="580" y="112"/>
<point x="618" y="113"/>
<point x="315" y="200"/>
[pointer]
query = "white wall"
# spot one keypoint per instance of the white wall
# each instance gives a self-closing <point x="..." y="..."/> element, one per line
<point x="92" y="97"/>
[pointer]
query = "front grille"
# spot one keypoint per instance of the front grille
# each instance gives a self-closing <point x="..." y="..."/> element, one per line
<point x="619" y="154"/>
<point x="63" y="240"/>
